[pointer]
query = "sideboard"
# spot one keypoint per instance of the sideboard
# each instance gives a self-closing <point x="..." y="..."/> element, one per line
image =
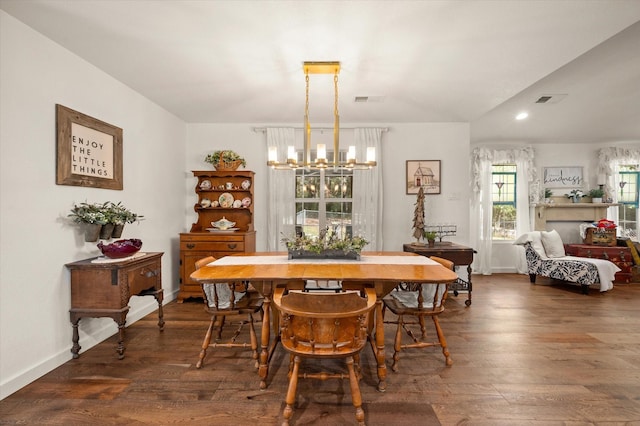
<point x="102" y="287"/>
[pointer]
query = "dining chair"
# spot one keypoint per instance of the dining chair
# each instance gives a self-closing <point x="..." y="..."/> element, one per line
<point x="224" y="300"/>
<point x="320" y="326"/>
<point x="418" y="301"/>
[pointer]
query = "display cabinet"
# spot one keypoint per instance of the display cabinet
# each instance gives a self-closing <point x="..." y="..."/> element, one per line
<point x="229" y="195"/>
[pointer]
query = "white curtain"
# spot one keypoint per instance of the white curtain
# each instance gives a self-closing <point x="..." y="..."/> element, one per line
<point x="609" y="162"/>
<point x="481" y="204"/>
<point x="281" y="210"/>
<point x="367" y="190"/>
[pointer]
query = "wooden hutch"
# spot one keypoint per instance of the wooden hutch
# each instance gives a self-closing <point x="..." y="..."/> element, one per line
<point x="231" y="195"/>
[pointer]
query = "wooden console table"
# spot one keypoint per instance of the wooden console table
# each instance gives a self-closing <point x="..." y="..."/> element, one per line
<point x="458" y="254"/>
<point x="103" y="289"/>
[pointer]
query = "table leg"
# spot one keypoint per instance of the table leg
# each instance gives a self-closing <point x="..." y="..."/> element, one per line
<point x="379" y="349"/>
<point x="159" y="295"/>
<point x="121" y="347"/>
<point x="263" y="370"/>
<point x="468" y="301"/>
<point x="75" y="348"/>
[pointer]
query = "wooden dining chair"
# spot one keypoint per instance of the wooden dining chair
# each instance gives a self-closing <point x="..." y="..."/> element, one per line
<point x="224" y="300"/>
<point x="324" y="325"/>
<point x="418" y="301"/>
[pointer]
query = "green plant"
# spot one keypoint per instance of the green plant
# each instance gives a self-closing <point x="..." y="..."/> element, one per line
<point x="119" y="214"/>
<point x="101" y="214"/>
<point x="430" y="236"/>
<point x="596" y="193"/>
<point x="325" y="241"/>
<point x="547" y="193"/>
<point x="89" y="213"/>
<point x="575" y="193"/>
<point x="227" y="156"/>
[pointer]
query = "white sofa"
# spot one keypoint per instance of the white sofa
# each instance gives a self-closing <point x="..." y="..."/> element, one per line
<point x="545" y="255"/>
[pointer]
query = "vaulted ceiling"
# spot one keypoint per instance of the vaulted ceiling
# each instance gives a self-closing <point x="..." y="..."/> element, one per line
<point x="417" y="61"/>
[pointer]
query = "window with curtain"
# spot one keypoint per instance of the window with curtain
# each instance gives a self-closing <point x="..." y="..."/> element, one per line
<point x="503" y="196"/>
<point x="628" y="198"/>
<point x="324" y="201"/>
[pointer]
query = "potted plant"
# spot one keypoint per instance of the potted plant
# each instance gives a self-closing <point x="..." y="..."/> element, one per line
<point x="431" y="238"/>
<point x="596" y="195"/>
<point x="119" y="215"/>
<point x="575" y="195"/>
<point x="91" y="217"/>
<point x="327" y="246"/>
<point x="225" y="160"/>
<point x="547" y="195"/>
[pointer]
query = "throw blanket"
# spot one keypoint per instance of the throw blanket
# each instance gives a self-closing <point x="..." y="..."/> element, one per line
<point x="606" y="270"/>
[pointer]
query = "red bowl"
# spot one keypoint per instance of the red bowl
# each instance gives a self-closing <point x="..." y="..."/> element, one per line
<point x="120" y="248"/>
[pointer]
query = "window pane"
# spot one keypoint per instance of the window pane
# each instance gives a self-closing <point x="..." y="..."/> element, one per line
<point x="307" y="218"/>
<point x="504" y="222"/>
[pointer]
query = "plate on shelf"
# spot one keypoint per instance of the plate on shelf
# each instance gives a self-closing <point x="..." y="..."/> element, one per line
<point x="246" y="202"/>
<point x="226" y="200"/>
<point x="219" y="231"/>
<point x="205" y="185"/>
<point x="246" y="184"/>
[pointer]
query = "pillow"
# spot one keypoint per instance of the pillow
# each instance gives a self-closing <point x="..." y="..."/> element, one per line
<point x="553" y="244"/>
<point x="535" y="238"/>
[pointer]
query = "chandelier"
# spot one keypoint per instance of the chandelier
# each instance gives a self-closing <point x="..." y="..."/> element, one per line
<point x="321" y="162"/>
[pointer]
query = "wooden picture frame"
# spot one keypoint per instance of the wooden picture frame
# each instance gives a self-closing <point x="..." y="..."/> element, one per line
<point x="562" y="177"/>
<point x="425" y="173"/>
<point x="89" y="151"/>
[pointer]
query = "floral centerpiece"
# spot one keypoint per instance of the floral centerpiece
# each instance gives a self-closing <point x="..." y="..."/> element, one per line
<point x="325" y="246"/>
<point x="225" y="160"/>
<point x="575" y="195"/>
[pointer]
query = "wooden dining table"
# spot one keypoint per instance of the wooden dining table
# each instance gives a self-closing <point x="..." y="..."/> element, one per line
<point x="382" y="270"/>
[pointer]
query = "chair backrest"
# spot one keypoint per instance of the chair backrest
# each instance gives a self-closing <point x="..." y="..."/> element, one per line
<point x="219" y="296"/>
<point x="324" y="324"/>
<point x="433" y="295"/>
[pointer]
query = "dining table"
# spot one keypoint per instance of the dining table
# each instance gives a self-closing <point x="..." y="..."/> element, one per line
<point x="382" y="270"/>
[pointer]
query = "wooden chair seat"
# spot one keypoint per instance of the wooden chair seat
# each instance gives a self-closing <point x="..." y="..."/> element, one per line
<point x="224" y="300"/>
<point x="418" y="301"/>
<point x="324" y="325"/>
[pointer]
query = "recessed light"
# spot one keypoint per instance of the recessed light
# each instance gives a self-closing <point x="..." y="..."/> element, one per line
<point x="522" y="116"/>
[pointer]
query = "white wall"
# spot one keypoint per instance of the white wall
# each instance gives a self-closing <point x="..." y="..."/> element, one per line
<point x="36" y="239"/>
<point x="448" y="142"/>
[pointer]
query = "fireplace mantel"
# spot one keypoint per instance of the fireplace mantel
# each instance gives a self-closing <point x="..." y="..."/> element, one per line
<point x="569" y="212"/>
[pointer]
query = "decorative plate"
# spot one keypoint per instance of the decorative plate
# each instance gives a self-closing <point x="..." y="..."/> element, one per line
<point x="205" y="185"/>
<point x="237" y="204"/>
<point x="246" y="202"/>
<point x="246" y="184"/>
<point x="226" y="200"/>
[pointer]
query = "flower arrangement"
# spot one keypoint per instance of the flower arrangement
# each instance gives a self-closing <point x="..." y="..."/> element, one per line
<point x="575" y="195"/>
<point x="89" y="213"/>
<point x="325" y="242"/>
<point x="119" y="214"/>
<point x="225" y="160"/>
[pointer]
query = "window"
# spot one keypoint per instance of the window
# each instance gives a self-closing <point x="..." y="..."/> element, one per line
<point x="503" y="196"/>
<point x="324" y="200"/>
<point x="628" y="198"/>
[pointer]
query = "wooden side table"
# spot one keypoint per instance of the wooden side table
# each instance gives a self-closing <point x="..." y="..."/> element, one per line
<point x="103" y="289"/>
<point x="458" y="254"/>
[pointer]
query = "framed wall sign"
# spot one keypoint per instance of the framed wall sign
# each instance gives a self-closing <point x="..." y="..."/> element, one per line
<point x="425" y="174"/>
<point x="89" y="151"/>
<point x="562" y="177"/>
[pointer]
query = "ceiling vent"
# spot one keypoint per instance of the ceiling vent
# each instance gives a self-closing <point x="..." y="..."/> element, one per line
<point x="550" y="99"/>
<point x="365" y="99"/>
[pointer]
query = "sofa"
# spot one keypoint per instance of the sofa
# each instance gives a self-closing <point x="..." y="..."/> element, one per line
<point x="545" y="256"/>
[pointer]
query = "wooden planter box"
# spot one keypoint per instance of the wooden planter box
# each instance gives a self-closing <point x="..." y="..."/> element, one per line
<point x="326" y="254"/>
<point x="604" y="237"/>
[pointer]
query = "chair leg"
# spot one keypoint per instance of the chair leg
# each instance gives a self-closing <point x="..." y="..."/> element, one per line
<point x="220" y="321"/>
<point x="397" y="345"/>
<point x="356" y="398"/>
<point x="205" y="343"/>
<point x="254" y="341"/>
<point x="290" y="399"/>
<point x="443" y="342"/>
<point x="423" y="327"/>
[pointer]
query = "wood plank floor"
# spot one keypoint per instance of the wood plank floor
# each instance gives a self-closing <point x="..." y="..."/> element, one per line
<point x="523" y="355"/>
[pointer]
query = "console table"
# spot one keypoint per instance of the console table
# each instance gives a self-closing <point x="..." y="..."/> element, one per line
<point x="102" y="287"/>
<point x="458" y="254"/>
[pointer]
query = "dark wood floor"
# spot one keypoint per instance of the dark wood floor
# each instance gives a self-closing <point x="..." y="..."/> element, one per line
<point x="523" y="355"/>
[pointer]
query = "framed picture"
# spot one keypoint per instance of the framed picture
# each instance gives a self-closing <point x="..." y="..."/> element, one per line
<point x="562" y="177"/>
<point x="425" y="174"/>
<point x="89" y="151"/>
